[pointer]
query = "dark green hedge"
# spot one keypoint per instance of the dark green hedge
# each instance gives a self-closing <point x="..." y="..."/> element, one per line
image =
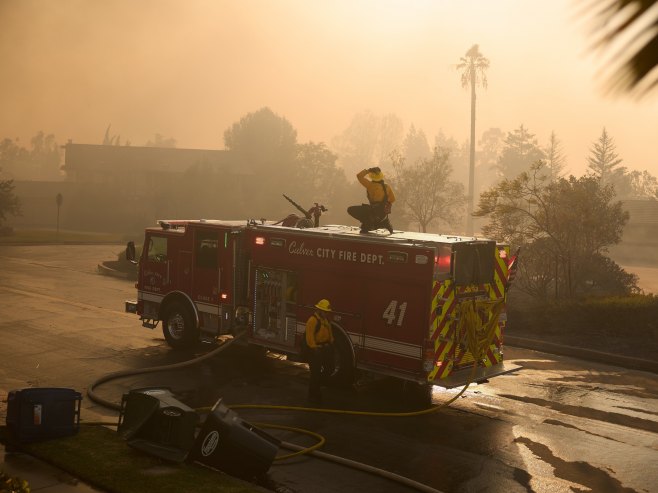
<point x="633" y="317"/>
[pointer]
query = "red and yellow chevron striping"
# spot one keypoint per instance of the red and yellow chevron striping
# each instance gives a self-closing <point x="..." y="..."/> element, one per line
<point x="450" y="348"/>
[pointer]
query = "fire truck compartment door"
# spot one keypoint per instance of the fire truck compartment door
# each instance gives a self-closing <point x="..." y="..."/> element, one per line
<point x="395" y="324"/>
<point x="274" y="317"/>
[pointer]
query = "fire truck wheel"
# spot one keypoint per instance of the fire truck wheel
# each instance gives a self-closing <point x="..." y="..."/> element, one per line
<point x="344" y="361"/>
<point x="178" y="326"/>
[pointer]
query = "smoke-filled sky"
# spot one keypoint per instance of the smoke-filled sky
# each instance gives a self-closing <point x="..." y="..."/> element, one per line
<point x="189" y="69"/>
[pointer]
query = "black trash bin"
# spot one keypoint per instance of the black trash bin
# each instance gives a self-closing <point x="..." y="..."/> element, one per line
<point x="35" y="414"/>
<point x="234" y="446"/>
<point x="154" y="421"/>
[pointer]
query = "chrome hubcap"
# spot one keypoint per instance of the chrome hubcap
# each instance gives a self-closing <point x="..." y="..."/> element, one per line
<point x="176" y="326"/>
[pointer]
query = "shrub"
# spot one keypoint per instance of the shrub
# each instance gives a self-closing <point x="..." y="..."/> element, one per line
<point x="634" y="317"/>
<point x="9" y="484"/>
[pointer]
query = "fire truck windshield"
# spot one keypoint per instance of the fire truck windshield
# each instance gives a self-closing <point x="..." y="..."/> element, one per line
<point x="157" y="249"/>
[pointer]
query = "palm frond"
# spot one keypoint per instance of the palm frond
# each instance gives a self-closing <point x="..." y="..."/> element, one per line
<point x="632" y="26"/>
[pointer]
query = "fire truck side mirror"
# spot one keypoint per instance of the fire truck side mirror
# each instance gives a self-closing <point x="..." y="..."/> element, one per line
<point x="130" y="252"/>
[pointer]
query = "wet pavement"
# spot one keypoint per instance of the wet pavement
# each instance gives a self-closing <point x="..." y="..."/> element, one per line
<point x="588" y="425"/>
<point x="558" y="425"/>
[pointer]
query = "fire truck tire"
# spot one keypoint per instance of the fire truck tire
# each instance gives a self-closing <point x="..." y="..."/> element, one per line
<point x="178" y="326"/>
<point x="344" y="361"/>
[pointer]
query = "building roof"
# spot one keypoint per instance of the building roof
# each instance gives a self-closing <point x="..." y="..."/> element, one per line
<point x="91" y="157"/>
<point x="642" y="211"/>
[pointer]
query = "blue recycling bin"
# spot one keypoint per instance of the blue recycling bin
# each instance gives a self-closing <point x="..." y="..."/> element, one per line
<point x="35" y="414"/>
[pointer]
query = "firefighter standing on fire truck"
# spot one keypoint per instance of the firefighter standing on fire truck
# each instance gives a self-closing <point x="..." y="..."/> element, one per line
<point x="320" y="341"/>
<point x="380" y="197"/>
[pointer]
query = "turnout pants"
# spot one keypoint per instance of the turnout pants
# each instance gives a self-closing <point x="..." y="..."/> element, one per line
<point x="371" y="217"/>
<point x="321" y="364"/>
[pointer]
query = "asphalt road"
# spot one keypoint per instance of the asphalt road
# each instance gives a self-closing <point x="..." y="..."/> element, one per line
<point x="558" y="425"/>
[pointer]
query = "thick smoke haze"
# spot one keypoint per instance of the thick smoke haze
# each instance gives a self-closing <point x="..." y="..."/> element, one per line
<point x="188" y="70"/>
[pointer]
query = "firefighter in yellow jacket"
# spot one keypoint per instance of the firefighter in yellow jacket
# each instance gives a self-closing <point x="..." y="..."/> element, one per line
<point x="320" y="341"/>
<point x="374" y="215"/>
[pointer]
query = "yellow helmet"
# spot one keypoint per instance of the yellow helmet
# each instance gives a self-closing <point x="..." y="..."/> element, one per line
<point x="376" y="176"/>
<point x="323" y="305"/>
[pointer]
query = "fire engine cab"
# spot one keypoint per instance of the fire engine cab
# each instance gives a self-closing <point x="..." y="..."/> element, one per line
<point x="409" y="305"/>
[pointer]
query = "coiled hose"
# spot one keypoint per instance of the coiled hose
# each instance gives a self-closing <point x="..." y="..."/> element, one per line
<point x="176" y="366"/>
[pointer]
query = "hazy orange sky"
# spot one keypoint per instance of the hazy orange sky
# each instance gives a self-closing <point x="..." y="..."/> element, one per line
<point x="189" y="69"/>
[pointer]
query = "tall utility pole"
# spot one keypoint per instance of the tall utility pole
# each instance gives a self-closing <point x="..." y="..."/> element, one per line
<point x="473" y="68"/>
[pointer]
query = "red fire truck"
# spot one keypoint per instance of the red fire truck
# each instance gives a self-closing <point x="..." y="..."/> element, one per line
<point x="399" y="300"/>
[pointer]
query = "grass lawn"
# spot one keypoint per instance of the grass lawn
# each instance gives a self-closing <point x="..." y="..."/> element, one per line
<point x="98" y="456"/>
<point x="46" y="236"/>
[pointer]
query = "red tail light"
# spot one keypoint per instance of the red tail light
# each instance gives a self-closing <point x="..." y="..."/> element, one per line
<point x="442" y="261"/>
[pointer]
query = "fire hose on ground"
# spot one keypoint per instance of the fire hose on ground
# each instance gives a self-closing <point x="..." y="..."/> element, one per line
<point x="478" y="338"/>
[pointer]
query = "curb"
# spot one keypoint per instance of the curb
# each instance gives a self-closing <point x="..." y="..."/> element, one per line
<point x="56" y="243"/>
<point x="581" y="353"/>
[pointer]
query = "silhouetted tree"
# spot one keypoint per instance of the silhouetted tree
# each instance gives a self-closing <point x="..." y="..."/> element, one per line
<point x="458" y="156"/>
<point x="603" y="161"/>
<point x="10" y="204"/>
<point x="45" y="157"/>
<point x="13" y="157"/>
<point x="519" y="153"/>
<point x="265" y="144"/>
<point x="643" y="184"/>
<point x="491" y="145"/>
<point x="40" y="162"/>
<point x="264" y="140"/>
<point x="415" y="146"/>
<point x="160" y="140"/>
<point x="555" y="160"/>
<point x="635" y="184"/>
<point x="563" y="226"/>
<point x="111" y="140"/>
<point x="604" y="164"/>
<point x="316" y="170"/>
<point x="426" y="192"/>
<point x="367" y="141"/>
<point x="318" y="179"/>
<point x="473" y="68"/>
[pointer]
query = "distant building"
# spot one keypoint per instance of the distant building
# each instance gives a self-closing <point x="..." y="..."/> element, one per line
<point x="642" y="225"/>
<point x="124" y="188"/>
<point x="643" y="213"/>
<point x="110" y="165"/>
<point x="639" y="245"/>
